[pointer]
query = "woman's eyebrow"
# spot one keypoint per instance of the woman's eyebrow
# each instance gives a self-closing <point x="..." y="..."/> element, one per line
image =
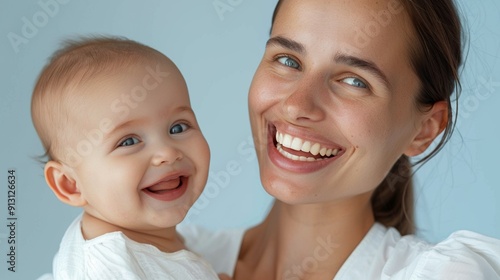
<point x="340" y="58"/>
<point x="363" y="64"/>
<point x="287" y="43"/>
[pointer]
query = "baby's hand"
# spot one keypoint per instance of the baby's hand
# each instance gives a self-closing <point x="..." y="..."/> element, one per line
<point x="224" y="277"/>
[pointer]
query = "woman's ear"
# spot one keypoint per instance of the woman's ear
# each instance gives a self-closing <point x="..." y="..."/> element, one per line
<point x="433" y="123"/>
<point x="63" y="184"/>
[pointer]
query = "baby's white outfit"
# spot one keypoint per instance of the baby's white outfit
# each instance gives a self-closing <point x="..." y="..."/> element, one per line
<point x="115" y="256"/>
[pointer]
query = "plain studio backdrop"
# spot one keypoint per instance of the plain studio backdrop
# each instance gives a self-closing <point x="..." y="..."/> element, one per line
<point x="217" y="46"/>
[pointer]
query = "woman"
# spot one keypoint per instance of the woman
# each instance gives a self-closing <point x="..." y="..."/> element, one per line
<point x="345" y="93"/>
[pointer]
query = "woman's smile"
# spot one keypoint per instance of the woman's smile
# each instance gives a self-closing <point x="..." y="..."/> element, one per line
<point x="296" y="154"/>
<point x="296" y="148"/>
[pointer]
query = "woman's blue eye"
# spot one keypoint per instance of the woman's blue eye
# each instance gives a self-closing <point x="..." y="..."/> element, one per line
<point x="129" y="142"/>
<point x="178" y="128"/>
<point x="355" y="82"/>
<point x="288" y="61"/>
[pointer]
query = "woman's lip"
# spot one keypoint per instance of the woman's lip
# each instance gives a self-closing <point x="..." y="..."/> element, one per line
<point x="293" y="165"/>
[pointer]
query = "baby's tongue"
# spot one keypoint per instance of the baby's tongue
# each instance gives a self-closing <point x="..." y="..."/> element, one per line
<point x="165" y="185"/>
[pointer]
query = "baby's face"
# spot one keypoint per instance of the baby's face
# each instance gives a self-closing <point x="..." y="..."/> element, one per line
<point x="142" y="159"/>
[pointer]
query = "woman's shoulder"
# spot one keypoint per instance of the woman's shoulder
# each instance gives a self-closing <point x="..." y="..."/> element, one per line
<point x="219" y="247"/>
<point x="464" y="254"/>
<point x="385" y="254"/>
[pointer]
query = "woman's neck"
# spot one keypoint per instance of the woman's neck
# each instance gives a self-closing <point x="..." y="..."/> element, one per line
<point x="304" y="241"/>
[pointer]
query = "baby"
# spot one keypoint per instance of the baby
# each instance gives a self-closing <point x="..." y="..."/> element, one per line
<point x="123" y="144"/>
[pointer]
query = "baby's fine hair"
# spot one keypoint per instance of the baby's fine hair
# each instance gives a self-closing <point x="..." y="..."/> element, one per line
<point x="70" y="68"/>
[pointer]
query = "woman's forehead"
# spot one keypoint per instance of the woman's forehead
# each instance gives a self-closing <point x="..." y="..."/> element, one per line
<point x="363" y="20"/>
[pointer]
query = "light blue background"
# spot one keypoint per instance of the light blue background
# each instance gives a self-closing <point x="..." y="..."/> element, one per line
<point x="218" y="54"/>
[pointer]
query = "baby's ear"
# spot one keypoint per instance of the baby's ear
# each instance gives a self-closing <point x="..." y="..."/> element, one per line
<point x="433" y="123"/>
<point x="63" y="184"/>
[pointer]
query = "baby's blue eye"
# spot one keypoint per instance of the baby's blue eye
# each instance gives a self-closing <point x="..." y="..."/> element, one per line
<point x="129" y="142"/>
<point x="355" y="82"/>
<point x="288" y="61"/>
<point x="178" y="128"/>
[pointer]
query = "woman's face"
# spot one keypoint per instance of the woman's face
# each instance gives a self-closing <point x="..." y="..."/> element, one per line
<point x="332" y="103"/>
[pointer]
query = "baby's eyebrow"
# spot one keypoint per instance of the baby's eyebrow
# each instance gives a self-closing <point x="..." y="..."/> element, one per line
<point x="126" y="124"/>
<point x="183" y="108"/>
<point x="142" y="121"/>
<point x="123" y="125"/>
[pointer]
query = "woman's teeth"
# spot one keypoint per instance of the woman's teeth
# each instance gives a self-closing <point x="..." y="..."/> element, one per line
<point x="297" y="144"/>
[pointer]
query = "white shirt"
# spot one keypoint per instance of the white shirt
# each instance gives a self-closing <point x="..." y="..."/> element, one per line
<point x="115" y="256"/>
<point x="382" y="254"/>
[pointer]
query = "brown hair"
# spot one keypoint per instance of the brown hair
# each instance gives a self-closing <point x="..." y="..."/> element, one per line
<point x="436" y="58"/>
<point x="75" y="63"/>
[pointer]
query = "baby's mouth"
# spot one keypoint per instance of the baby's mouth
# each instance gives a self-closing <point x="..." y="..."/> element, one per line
<point x="166" y="186"/>
<point x="298" y="149"/>
<point x="169" y="188"/>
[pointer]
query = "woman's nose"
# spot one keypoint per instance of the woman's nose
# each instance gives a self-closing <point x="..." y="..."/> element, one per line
<point x="304" y="102"/>
<point x="166" y="154"/>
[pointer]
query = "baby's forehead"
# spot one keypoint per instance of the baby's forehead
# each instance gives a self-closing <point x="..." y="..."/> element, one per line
<point x="144" y="68"/>
<point x="158" y="69"/>
<point x="130" y="85"/>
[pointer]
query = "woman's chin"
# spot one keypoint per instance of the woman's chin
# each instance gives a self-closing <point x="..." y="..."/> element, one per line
<point x="290" y="193"/>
